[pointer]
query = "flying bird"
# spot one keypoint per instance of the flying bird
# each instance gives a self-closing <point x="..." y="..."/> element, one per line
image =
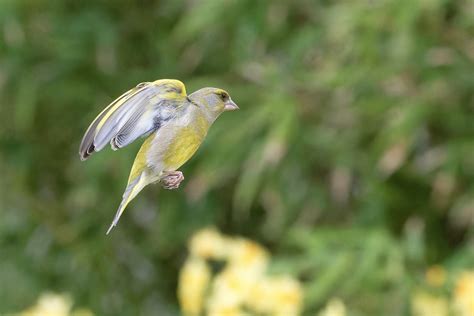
<point x="173" y="123"/>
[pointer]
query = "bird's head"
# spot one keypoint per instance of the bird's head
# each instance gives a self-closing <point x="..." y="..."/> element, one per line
<point x="213" y="100"/>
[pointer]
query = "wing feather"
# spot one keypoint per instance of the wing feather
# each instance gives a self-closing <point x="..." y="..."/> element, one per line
<point x="136" y="126"/>
<point x="132" y="115"/>
<point x="87" y="145"/>
<point x="136" y="105"/>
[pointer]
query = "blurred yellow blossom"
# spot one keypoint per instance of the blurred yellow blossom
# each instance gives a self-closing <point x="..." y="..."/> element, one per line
<point x="241" y="287"/>
<point x="51" y="304"/>
<point x="279" y="295"/>
<point x="247" y="254"/>
<point x="425" y="304"/>
<point x="435" y="276"/>
<point x="228" y="290"/>
<point x="193" y="282"/>
<point x="335" y="307"/>
<point x="464" y="294"/>
<point x="226" y="311"/>
<point x="208" y="243"/>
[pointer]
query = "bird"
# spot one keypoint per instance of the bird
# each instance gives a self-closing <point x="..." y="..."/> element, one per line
<point x="173" y="124"/>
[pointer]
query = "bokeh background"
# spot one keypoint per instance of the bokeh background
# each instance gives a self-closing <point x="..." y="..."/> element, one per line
<point x="351" y="159"/>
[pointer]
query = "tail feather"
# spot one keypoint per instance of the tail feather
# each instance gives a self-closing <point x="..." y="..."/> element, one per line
<point x="133" y="188"/>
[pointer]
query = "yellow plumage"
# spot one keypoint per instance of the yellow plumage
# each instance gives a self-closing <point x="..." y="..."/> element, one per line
<point x="175" y="125"/>
<point x="182" y="147"/>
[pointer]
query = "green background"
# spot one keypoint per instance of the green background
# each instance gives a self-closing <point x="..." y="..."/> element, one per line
<point x="351" y="159"/>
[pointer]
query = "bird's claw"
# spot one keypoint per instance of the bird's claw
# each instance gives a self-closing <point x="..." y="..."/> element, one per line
<point x="171" y="179"/>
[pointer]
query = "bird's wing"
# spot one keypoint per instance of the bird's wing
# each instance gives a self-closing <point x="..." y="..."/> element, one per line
<point x="137" y="112"/>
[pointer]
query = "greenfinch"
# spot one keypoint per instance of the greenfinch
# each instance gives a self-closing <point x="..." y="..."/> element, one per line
<point x="174" y="124"/>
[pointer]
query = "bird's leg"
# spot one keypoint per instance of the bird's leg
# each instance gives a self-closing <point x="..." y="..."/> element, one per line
<point x="171" y="179"/>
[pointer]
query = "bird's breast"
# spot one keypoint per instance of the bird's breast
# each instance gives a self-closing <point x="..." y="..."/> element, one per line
<point x="176" y="142"/>
<point x="183" y="147"/>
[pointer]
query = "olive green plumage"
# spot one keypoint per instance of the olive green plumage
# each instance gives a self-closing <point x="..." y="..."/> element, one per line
<point x="175" y="126"/>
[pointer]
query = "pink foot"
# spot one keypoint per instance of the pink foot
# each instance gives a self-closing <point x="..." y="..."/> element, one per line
<point x="171" y="179"/>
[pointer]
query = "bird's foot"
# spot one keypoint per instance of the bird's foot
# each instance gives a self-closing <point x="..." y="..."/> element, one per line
<point x="171" y="179"/>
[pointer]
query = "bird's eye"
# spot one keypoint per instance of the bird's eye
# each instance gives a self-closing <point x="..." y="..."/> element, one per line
<point x="224" y="96"/>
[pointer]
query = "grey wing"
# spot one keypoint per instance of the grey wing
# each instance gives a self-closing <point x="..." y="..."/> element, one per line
<point x="134" y="114"/>
<point x="143" y="122"/>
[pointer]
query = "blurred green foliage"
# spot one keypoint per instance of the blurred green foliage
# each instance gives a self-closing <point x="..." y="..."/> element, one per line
<point x="352" y="157"/>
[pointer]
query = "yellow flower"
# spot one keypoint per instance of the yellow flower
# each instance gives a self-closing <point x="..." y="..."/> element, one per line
<point x="193" y="282"/>
<point x="51" y="304"/>
<point x="335" y="307"/>
<point x="227" y="311"/>
<point x="464" y="294"/>
<point x="280" y="295"/>
<point x="230" y="287"/>
<point x="240" y="286"/>
<point x="248" y="255"/>
<point x="435" y="276"/>
<point x="247" y="262"/>
<point x="209" y="244"/>
<point x="425" y="304"/>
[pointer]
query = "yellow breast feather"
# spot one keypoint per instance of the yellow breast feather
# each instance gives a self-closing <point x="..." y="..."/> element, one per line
<point x="183" y="147"/>
<point x="185" y="143"/>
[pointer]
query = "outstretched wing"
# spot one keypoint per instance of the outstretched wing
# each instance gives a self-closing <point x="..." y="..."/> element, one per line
<point x="136" y="113"/>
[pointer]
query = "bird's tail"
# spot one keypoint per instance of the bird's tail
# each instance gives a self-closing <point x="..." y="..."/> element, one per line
<point x="134" y="186"/>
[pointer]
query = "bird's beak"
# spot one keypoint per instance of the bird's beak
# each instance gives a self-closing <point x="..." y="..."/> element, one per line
<point x="229" y="105"/>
